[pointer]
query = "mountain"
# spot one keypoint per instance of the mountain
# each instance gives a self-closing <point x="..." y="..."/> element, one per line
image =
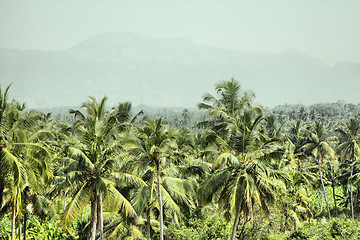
<point x="169" y="72"/>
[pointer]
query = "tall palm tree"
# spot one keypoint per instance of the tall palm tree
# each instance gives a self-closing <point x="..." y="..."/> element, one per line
<point x="240" y="180"/>
<point x="24" y="158"/>
<point x="332" y="173"/>
<point x="154" y="150"/>
<point x="301" y="171"/>
<point x="4" y="109"/>
<point x="319" y="146"/>
<point x="294" y="200"/>
<point x="91" y="162"/>
<point x="238" y="188"/>
<point x="296" y="135"/>
<point x="349" y="149"/>
<point x="123" y="115"/>
<point x="230" y="103"/>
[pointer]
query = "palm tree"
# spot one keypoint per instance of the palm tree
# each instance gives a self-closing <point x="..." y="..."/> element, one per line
<point x="24" y="155"/>
<point x="349" y="149"/>
<point x="34" y="202"/>
<point x="123" y="115"/>
<point x="230" y="103"/>
<point x="332" y="173"/>
<point x="25" y="158"/>
<point x="239" y="186"/>
<point x="240" y="180"/>
<point x="297" y="136"/>
<point x="240" y="177"/>
<point x="154" y="150"/>
<point x="319" y="146"/>
<point x="294" y="199"/>
<point x="90" y="164"/>
<point x="4" y="109"/>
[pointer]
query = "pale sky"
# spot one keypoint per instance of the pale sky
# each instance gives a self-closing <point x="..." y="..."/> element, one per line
<point x="328" y="30"/>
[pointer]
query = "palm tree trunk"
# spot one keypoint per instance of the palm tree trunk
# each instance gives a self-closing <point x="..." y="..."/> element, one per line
<point x="1" y="193"/>
<point x="323" y="191"/>
<point x="93" y="223"/>
<point x="356" y="197"/>
<point x="20" y="233"/>
<point x="13" y="214"/>
<point x="322" y="202"/>
<point x="160" y="208"/>
<point x="351" y="194"/>
<point x="334" y="196"/>
<point x="64" y="203"/>
<point x="25" y="220"/>
<point x="148" y="226"/>
<point x="100" y="216"/>
<point x="236" y="222"/>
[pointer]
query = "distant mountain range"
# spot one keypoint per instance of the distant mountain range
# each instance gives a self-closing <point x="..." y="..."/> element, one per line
<point x="168" y="73"/>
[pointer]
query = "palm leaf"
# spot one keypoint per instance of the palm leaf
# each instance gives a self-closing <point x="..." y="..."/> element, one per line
<point x="76" y="206"/>
<point x="128" y="179"/>
<point x="116" y="202"/>
<point x="11" y="162"/>
<point x="170" y="204"/>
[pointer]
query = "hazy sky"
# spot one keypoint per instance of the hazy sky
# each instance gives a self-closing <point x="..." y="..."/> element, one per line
<point x="329" y="30"/>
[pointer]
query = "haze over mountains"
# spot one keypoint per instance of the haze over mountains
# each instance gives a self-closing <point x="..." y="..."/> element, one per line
<point x="170" y="73"/>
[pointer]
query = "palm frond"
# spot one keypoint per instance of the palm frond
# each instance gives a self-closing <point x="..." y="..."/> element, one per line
<point x="116" y="202"/>
<point x="78" y="202"/>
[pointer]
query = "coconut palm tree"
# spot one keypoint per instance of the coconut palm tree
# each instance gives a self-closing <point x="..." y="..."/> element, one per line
<point x="154" y="152"/>
<point x="294" y="201"/>
<point x="319" y="146"/>
<point x="231" y="102"/>
<point x="349" y="149"/>
<point x="34" y="203"/>
<point x="240" y="180"/>
<point x="301" y="171"/>
<point x="4" y="110"/>
<point x="24" y="156"/>
<point x="332" y="173"/>
<point x="296" y="135"/>
<point x="123" y="115"/>
<point x="90" y="164"/>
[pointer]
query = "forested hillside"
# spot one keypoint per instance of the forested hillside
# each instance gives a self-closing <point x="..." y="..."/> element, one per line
<point x="231" y="169"/>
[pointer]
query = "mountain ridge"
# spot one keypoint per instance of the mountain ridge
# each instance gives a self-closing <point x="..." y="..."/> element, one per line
<point x="169" y="72"/>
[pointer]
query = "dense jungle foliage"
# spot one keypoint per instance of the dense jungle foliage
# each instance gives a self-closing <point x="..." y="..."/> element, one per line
<point x="232" y="170"/>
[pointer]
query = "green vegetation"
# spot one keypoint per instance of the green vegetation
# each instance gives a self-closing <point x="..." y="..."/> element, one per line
<point x="233" y="170"/>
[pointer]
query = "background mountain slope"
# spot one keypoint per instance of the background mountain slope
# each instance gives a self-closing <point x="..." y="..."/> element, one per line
<point x="169" y="72"/>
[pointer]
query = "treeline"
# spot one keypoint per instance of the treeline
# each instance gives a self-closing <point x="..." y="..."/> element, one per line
<point x="232" y="171"/>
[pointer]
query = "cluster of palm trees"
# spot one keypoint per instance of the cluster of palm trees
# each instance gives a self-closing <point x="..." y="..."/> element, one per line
<point x="131" y="177"/>
<point x="25" y="159"/>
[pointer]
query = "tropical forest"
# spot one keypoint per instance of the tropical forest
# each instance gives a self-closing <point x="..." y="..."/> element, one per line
<point x="230" y="169"/>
